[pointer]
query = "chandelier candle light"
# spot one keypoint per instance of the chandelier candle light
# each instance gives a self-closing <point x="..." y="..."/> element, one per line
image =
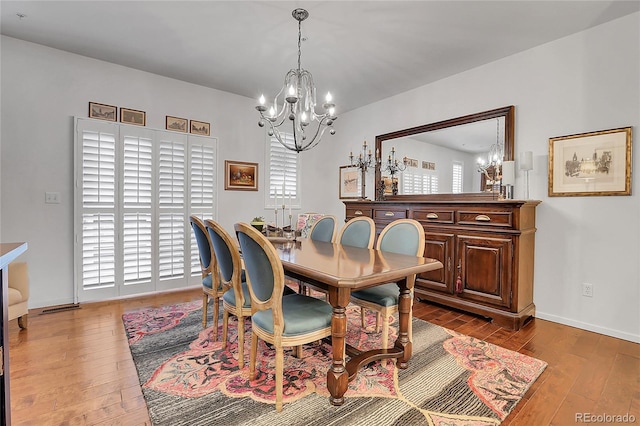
<point x="298" y="105"/>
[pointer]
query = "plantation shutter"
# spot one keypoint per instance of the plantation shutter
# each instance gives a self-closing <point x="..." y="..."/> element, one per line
<point x="97" y="199"/>
<point x="137" y="209"/>
<point x="203" y="190"/>
<point x="457" y="178"/>
<point x="284" y="172"/>
<point x="172" y="168"/>
<point x="135" y="190"/>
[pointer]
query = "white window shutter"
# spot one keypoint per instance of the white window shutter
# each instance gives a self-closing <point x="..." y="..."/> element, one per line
<point x="284" y="173"/>
<point x="135" y="189"/>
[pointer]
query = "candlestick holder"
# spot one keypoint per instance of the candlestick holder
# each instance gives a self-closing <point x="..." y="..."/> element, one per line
<point x="363" y="161"/>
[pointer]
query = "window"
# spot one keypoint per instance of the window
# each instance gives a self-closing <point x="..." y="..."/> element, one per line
<point x="419" y="183"/>
<point x="457" y="178"/>
<point x="283" y="174"/>
<point x="135" y="188"/>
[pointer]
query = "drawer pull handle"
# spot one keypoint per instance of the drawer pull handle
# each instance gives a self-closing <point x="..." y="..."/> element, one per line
<point x="483" y="218"/>
<point x="358" y="213"/>
<point x="432" y="215"/>
<point x="389" y="214"/>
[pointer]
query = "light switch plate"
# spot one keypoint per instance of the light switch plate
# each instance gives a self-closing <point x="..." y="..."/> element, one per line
<point x="52" y="197"/>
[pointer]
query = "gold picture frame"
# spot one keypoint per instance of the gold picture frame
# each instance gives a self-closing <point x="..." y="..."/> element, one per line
<point x="199" y="128"/>
<point x="240" y="176"/>
<point x="590" y="164"/>
<point x="133" y="116"/>
<point x="176" y="124"/>
<point x="350" y="185"/>
<point x="103" y="112"/>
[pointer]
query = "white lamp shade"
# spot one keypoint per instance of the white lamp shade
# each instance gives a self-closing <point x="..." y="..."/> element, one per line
<point x="526" y="160"/>
<point x="508" y="172"/>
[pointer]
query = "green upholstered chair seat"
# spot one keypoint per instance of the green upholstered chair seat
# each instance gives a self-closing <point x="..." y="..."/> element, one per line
<point x="383" y="295"/>
<point x="302" y="314"/>
<point x="230" y="296"/>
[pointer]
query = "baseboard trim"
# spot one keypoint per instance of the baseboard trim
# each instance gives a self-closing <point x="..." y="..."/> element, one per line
<point x="589" y="327"/>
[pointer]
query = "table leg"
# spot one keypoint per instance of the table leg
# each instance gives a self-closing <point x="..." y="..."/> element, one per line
<point x="404" y="314"/>
<point x="337" y="376"/>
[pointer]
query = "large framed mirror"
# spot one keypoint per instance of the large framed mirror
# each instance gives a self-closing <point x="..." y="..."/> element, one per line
<point x="456" y="158"/>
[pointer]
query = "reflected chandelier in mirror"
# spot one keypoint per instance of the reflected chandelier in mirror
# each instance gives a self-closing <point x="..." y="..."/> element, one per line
<point x="443" y="156"/>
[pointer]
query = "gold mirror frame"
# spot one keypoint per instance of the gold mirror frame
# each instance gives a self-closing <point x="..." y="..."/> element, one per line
<point x="507" y="112"/>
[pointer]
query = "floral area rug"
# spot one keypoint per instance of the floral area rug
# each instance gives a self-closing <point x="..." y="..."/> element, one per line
<point x="188" y="378"/>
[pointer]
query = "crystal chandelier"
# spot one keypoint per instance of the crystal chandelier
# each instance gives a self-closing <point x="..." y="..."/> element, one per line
<point x="298" y="104"/>
<point x="493" y="158"/>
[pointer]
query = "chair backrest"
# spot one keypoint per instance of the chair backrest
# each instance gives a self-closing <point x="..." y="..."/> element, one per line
<point x="205" y="250"/>
<point x="324" y="229"/>
<point x="358" y="232"/>
<point x="404" y="236"/>
<point x="264" y="272"/>
<point x="227" y="258"/>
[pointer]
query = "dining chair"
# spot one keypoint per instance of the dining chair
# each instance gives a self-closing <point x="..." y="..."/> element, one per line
<point x="292" y="320"/>
<point x="358" y="232"/>
<point x="211" y="286"/>
<point x="324" y="229"/>
<point x="236" y="300"/>
<point x="404" y="236"/>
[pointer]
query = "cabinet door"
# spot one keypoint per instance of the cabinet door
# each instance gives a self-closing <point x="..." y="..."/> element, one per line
<point x="438" y="246"/>
<point x="484" y="268"/>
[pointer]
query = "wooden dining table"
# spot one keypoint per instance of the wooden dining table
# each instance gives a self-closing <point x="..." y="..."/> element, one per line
<point x="339" y="270"/>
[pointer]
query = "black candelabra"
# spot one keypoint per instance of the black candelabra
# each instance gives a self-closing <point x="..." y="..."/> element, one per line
<point x="393" y="166"/>
<point x="363" y="161"/>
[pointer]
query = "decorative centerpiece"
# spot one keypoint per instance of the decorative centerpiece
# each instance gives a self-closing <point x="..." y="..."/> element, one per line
<point x="258" y="223"/>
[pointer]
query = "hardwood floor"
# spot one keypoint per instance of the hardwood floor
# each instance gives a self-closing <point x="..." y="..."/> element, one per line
<point x="74" y="367"/>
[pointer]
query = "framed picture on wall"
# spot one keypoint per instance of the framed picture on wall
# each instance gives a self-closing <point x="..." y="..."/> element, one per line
<point x="586" y="164"/>
<point x="176" y="124"/>
<point x="103" y="112"/>
<point x="240" y="176"/>
<point x="199" y="128"/>
<point x="350" y="185"/>
<point x="132" y="116"/>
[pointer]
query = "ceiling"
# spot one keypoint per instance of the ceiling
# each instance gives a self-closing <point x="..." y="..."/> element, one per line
<point x="362" y="51"/>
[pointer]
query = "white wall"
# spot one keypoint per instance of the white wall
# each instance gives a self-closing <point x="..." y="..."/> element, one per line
<point x="585" y="82"/>
<point x="42" y="89"/>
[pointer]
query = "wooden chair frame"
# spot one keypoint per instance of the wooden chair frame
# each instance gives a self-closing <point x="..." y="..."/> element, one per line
<point x="385" y="312"/>
<point x="216" y="291"/>
<point x="323" y="218"/>
<point x="235" y="284"/>
<point x="275" y="303"/>
<point x="372" y="227"/>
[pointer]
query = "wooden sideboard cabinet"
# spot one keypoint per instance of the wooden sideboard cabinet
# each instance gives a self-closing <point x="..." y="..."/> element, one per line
<point x="486" y="247"/>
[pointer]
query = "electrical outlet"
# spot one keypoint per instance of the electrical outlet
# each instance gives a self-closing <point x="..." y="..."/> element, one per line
<point x="587" y="289"/>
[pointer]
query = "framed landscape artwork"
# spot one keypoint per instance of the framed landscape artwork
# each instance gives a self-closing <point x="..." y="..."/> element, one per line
<point x="240" y="176"/>
<point x="176" y="124"/>
<point x="595" y="163"/>
<point x="350" y="185"/>
<point x="200" y="128"/>
<point x="103" y="112"/>
<point x="132" y="116"/>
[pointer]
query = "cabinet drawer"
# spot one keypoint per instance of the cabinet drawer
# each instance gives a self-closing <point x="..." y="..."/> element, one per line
<point x="433" y="216"/>
<point x="389" y="214"/>
<point x="485" y="218"/>
<point x="355" y="212"/>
